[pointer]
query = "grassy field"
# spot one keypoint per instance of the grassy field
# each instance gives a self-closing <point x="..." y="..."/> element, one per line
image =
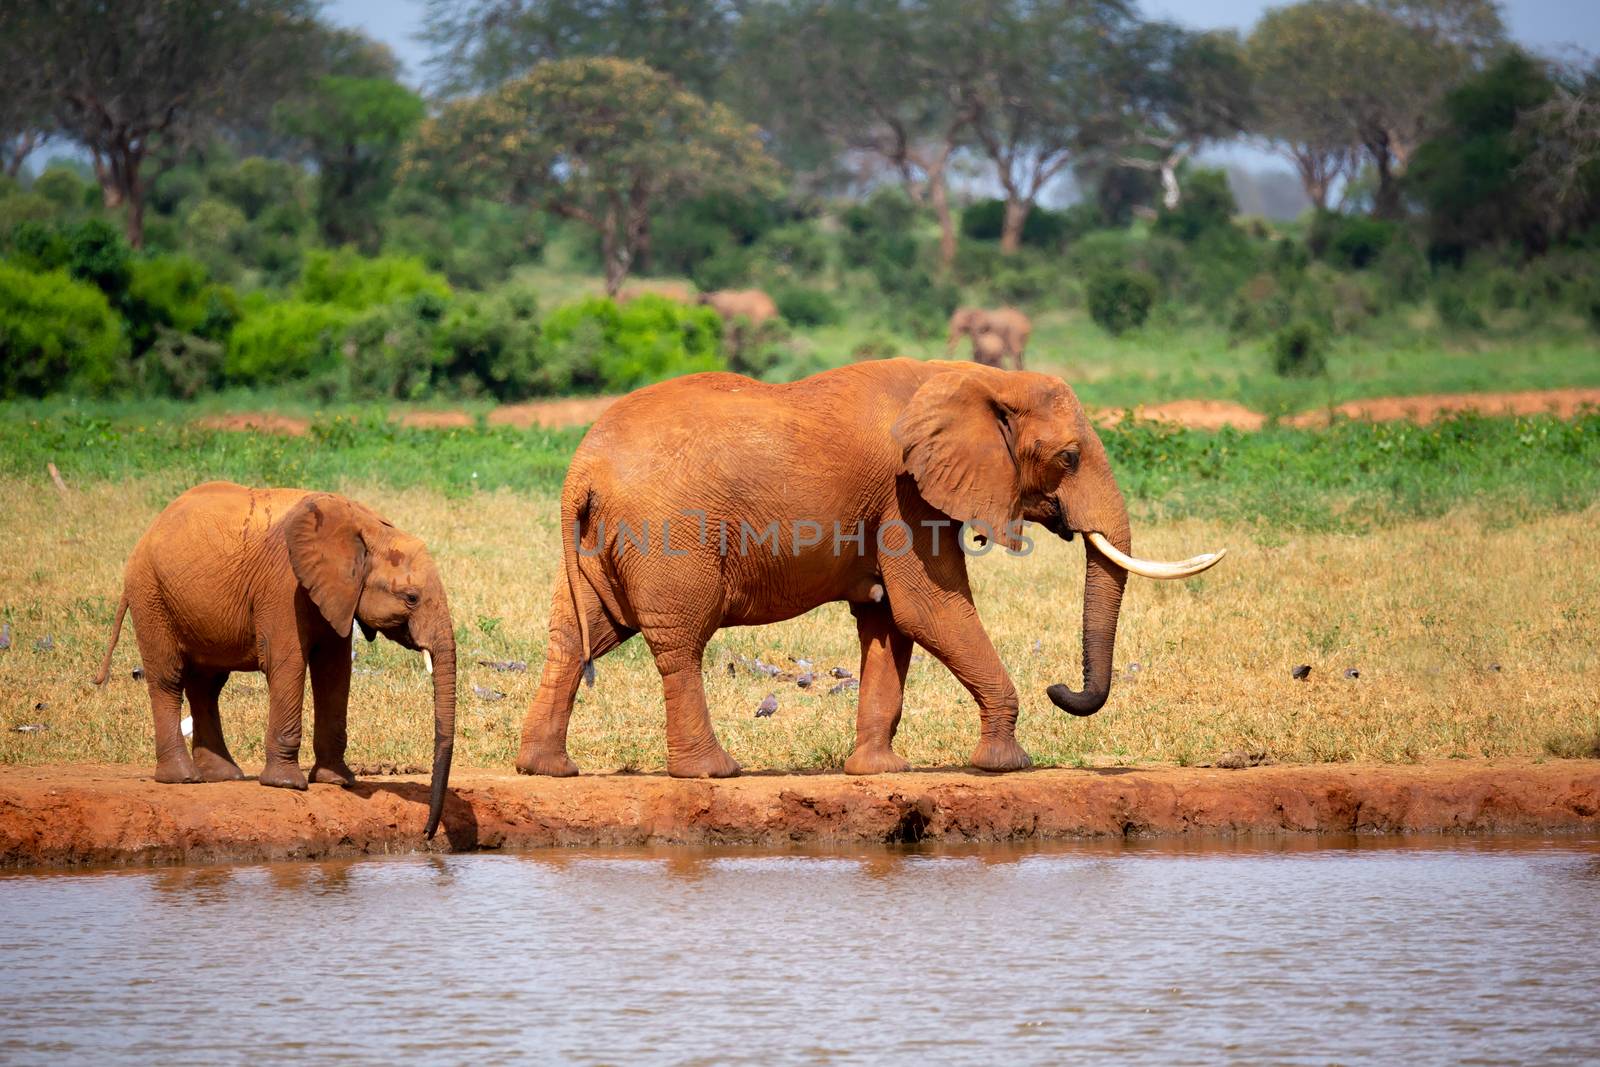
<point x="1425" y="559"/>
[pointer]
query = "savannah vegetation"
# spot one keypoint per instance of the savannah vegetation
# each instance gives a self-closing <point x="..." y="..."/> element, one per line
<point x="203" y="214"/>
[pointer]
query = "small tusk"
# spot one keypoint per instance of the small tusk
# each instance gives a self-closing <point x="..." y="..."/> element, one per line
<point x="427" y="660"/>
<point x="187" y="726"/>
<point x="1152" y="568"/>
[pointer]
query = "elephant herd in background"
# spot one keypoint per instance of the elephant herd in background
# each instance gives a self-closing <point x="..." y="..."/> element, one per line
<point x="858" y="485"/>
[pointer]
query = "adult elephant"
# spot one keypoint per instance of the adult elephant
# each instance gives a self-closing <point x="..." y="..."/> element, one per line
<point x="731" y="304"/>
<point x="1010" y="326"/>
<point x="235" y="579"/>
<point x="758" y="502"/>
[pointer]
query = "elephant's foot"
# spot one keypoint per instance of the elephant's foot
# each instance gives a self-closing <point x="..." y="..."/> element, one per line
<point x="333" y="774"/>
<point x="282" y="775"/>
<point x="713" y="764"/>
<point x="874" y="759"/>
<point x="215" y="767"/>
<point x="1000" y="754"/>
<point x="550" y="764"/>
<point x="177" y="770"/>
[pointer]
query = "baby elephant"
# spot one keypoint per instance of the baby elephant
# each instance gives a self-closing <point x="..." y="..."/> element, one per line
<point x="235" y="579"/>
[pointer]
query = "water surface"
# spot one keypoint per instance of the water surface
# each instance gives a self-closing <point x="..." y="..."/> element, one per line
<point x="1476" y="951"/>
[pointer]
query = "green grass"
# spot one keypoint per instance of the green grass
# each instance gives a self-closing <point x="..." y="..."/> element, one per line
<point x="1353" y="476"/>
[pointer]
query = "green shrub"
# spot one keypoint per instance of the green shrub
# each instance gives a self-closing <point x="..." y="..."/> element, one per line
<point x="1120" y="300"/>
<point x="797" y="249"/>
<point x="98" y="254"/>
<point x="1024" y="280"/>
<point x="181" y="365"/>
<point x="393" y="350"/>
<point x="279" y="342"/>
<point x="1403" y="271"/>
<point x="214" y="233"/>
<point x="596" y="343"/>
<point x="880" y="230"/>
<point x="64" y="189"/>
<point x="474" y="243"/>
<point x="1350" y="241"/>
<point x="1299" y="350"/>
<point x="491" y="343"/>
<point x="256" y="183"/>
<point x="729" y="268"/>
<point x="24" y="207"/>
<point x="1206" y="203"/>
<point x="805" y="307"/>
<point x="56" y="334"/>
<point x="984" y="220"/>
<point x="37" y="246"/>
<point x="175" y="293"/>
<point x="355" y="282"/>
<point x="1456" y="308"/>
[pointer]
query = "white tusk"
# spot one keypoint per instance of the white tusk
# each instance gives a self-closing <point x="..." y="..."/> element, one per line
<point x="427" y="660"/>
<point x="187" y="726"/>
<point x="1150" y="568"/>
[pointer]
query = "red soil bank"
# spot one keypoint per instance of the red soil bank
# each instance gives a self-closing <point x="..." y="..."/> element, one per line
<point x="74" y="815"/>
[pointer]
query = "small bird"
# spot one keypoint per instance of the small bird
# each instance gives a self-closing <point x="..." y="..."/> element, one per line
<point x="1038" y="646"/>
<point x="516" y="665"/>
<point x="45" y="643"/>
<point x="138" y="673"/>
<point x="731" y="672"/>
<point x="1495" y="667"/>
<point x="767" y="706"/>
<point x="1301" y="673"/>
<point x="844" y="686"/>
<point x="30" y="728"/>
<point x="488" y="694"/>
<point x="803" y="664"/>
<point x="5" y="636"/>
<point x="805" y="680"/>
<point x="1351" y="673"/>
<point x="839" y="672"/>
<point x="1135" y="667"/>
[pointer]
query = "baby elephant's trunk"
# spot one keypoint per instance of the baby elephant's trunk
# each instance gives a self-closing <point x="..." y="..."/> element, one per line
<point x="443" y="650"/>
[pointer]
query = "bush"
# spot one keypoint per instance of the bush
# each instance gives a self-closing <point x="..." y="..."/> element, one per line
<point x="98" y="254"/>
<point x="23" y="207"/>
<point x="256" y="183"/>
<point x="1120" y="300"/>
<point x="176" y="293"/>
<point x="350" y="280"/>
<point x="393" y="350"/>
<point x="181" y="365"/>
<point x="491" y="343"/>
<point x="56" y="333"/>
<point x="1353" y="242"/>
<point x="1299" y="350"/>
<point x="984" y="220"/>
<point x="64" y="189"/>
<point x="596" y="343"/>
<point x="798" y="249"/>
<point x="1020" y="281"/>
<point x="880" y="230"/>
<point x="214" y="232"/>
<point x="475" y="243"/>
<point x="1206" y="204"/>
<point x="284" y="341"/>
<point x="805" y="307"/>
<point x="729" y="268"/>
<point x="1456" y="308"/>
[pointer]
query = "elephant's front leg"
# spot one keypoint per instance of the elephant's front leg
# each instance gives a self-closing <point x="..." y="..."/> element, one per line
<point x="286" y="691"/>
<point x="932" y="603"/>
<point x="885" y="655"/>
<point x="330" y="706"/>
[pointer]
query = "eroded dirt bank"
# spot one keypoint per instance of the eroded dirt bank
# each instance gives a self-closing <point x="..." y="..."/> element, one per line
<point x="79" y="815"/>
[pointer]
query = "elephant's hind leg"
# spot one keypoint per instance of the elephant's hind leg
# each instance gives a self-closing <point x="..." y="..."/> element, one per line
<point x="885" y="655"/>
<point x="173" y="762"/>
<point x="678" y="643"/>
<point x="211" y="757"/>
<point x="544" y="730"/>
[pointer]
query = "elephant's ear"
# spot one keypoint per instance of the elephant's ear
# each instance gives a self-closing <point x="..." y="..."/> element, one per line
<point x="328" y="555"/>
<point x="954" y="437"/>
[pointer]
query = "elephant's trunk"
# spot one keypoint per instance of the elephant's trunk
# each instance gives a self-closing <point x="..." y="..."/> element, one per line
<point x="443" y="648"/>
<point x="1103" y="582"/>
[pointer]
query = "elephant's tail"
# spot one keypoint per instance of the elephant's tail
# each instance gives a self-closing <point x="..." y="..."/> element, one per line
<point x="574" y="509"/>
<point x="116" y="632"/>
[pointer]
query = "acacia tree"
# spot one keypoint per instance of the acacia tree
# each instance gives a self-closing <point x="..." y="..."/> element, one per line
<point x="1038" y="87"/>
<point x="478" y="44"/>
<point x="1563" y="161"/>
<point x="869" y="77"/>
<point x="354" y="129"/>
<point x="125" y="76"/>
<point x="1175" y="91"/>
<point x="25" y="121"/>
<point x="604" y="142"/>
<point x="1367" y="76"/>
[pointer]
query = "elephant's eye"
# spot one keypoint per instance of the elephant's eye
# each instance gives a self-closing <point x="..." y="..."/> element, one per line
<point x="412" y="600"/>
<point x="1069" y="459"/>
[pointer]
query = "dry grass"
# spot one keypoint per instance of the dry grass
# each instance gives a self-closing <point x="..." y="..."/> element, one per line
<point x="1422" y="611"/>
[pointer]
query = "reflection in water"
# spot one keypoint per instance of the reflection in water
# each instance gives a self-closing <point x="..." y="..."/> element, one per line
<point x="1160" y="953"/>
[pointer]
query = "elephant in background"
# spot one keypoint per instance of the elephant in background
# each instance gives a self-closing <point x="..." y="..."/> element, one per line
<point x="235" y="579"/>
<point x="733" y="304"/>
<point x="1008" y="325"/>
<point x="895" y="454"/>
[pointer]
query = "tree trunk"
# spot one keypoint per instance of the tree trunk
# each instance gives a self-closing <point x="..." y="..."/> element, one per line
<point x="134" y="197"/>
<point x="1386" y="201"/>
<point x="1011" y="227"/>
<point x="939" y="194"/>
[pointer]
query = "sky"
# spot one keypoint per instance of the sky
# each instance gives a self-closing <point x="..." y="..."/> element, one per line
<point x="1549" y="26"/>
